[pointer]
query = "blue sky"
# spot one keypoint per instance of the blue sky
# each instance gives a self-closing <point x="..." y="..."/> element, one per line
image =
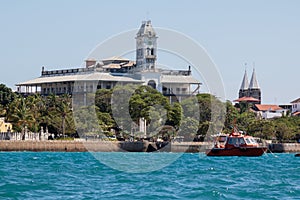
<point x="60" y="34"/>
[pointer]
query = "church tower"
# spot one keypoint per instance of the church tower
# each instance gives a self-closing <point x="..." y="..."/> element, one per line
<point x="244" y="87"/>
<point x="254" y="89"/>
<point x="146" y="47"/>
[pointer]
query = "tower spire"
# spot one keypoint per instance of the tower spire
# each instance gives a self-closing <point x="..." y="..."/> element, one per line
<point x="253" y="81"/>
<point x="146" y="47"/>
<point x="245" y="83"/>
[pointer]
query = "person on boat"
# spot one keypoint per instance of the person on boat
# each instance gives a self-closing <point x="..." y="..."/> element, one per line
<point x="217" y="144"/>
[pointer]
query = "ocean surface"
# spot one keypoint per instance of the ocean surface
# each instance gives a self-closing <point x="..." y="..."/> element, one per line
<point x="50" y="175"/>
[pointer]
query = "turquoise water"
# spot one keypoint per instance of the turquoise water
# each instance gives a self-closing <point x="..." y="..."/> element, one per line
<point x="47" y="175"/>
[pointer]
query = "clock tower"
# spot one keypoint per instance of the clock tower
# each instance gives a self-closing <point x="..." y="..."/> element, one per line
<point x="146" y="46"/>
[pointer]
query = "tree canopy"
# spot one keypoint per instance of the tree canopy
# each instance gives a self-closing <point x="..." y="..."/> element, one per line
<point x="122" y="108"/>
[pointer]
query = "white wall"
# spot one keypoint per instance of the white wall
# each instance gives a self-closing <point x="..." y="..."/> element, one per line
<point x="295" y="107"/>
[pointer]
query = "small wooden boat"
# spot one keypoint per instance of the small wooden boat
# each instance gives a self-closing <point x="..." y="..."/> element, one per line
<point x="297" y="155"/>
<point x="236" y="144"/>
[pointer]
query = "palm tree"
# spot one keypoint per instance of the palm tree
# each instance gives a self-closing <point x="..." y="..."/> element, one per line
<point x="20" y="114"/>
<point x="60" y="112"/>
<point x="38" y="109"/>
<point x="2" y="111"/>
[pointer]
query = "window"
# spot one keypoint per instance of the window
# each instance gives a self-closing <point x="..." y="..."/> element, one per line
<point x="232" y="141"/>
<point x="248" y="141"/>
<point x="148" y="51"/>
<point x="152" y="84"/>
<point x="241" y="141"/>
<point x="236" y="141"/>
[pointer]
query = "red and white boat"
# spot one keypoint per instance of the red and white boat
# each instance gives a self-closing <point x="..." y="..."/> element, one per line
<point x="236" y="144"/>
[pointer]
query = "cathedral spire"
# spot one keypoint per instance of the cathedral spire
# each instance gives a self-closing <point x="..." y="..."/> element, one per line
<point x="245" y="83"/>
<point x="253" y="81"/>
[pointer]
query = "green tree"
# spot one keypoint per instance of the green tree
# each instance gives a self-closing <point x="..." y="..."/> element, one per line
<point x="212" y="113"/>
<point x="87" y="121"/>
<point x="231" y="117"/>
<point x="188" y="128"/>
<point x="175" y="116"/>
<point x="37" y="108"/>
<point x="145" y="101"/>
<point x="244" y="120"/>
<point x="60" y="114"/>
<point x="6" y="95"/>
<point x="103" y="100"/>
<point x="105" y="121"/>
<point x="3" y="111"/>
<point x="282" y="131"/>
<point x="20" y="114"/>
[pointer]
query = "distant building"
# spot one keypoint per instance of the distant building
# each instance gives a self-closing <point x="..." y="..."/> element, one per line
<point x="269" y="111"/>
<point x="5" y="126"/>
<point x="296" y="107"/>
<point x="252" y="89"/>
<point x="107" y="73"/>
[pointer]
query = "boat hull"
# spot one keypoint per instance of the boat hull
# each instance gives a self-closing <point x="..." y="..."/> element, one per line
<point x="237" y="151"/>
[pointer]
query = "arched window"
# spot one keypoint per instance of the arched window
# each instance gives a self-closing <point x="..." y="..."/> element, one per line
<point x="148" y="51"/>
<point x="152" y="84"/>
<point x="152" y="52"/>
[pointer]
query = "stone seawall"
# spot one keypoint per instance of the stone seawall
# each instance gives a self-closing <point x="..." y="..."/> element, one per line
<point x="73" y="146"/>
<point x="284" y="147"/>
<point x="54" y="145"/>
<point x="106" y="146"/>
<point x="101" y="146"/>
<point x="189" y="147"/>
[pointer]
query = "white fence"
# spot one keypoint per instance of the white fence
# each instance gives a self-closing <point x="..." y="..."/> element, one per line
<point x="24" y="136"/>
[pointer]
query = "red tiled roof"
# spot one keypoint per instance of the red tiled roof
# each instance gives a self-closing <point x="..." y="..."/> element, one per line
<point x="247" y="99"/>
<point x="262" y="107"/>
<point x="296" y="101"/>
<point x="296" y="113"/>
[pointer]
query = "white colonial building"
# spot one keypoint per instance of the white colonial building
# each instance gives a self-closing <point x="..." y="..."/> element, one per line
<point x="296" y="107"/>
<point x="266" y="111"/>
<point x="107" y="73"/>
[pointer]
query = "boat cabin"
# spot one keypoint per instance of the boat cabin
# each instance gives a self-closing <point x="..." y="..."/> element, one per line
<point x="234" y="140"/>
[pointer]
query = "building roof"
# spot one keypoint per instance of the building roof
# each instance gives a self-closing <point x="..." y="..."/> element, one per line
<point x="112" y="66"/>
<point x="296" y="113"/>
<point x="178" y="79"/>
<point x="115" y="58"/>
<point x="253" y="82"/>
<point x="245" y="83"/>
<point x="146" y="29"/>
<point x="129" y="64"/>
<point x="246" y="99"/>
<point x="95" y="76"/>
<point x="296" y="101"/>
<point x="264" y="107"/>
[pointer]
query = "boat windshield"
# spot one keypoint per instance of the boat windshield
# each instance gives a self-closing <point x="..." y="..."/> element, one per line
<point x="236" y="141"/>
<point x="222" y="138"/>
<point x="251" y="141"/>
